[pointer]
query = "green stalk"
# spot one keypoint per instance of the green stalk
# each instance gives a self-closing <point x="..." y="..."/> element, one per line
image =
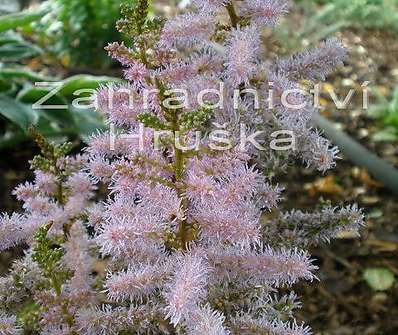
<point x="232" y="14"/>
<point x="178" y="166"/>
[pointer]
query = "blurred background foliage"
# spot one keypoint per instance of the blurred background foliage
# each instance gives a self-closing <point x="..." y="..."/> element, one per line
<point x="386" y="112"/>
<point x="76" y="31"/>
<point x="54" y="41"/>
<point x="327" y="17"/>
<point x="63" y="40"/>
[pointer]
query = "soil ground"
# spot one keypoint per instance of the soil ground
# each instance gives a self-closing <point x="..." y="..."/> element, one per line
<point x="342" y="303"/>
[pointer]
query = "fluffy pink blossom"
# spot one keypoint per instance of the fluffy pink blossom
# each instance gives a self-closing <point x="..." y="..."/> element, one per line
<point x="136" y="283"/>
<point x="8" y="325"/>
<point x="25" y="191"/>
<point x="45" y="182"/>
<point x="187" y="30"/>
<point x="319" y="152"/>
<point x="200" y="187"/>
<point x="122" y="233"/>
<point x="242" y="48"/>
<point x="176" y="73"/>
<point x="246" y="325"/>
<point x="187" y="286"/>
<point x="313" y="64"/>
<point x="108" y="144"/>
<point x="181" y="232"/>
<point x="100" y="169"/>
<point x="136" y="73"/>
<point x="80" y="183"/>
<point x="40" y="204"/>
<point x="210" y="5"/>
<point x="78" y="259"/>
<point x="120" y="103"/>
<point x="237" y="223"/>
<point x="95" y="215"/>
<point x="75" y="205"/>
<point x="101" y="320"/>
<point x="12" y="230"/>
<point x="207" y="321"/>
<point x="265" y="12"/>
<point x="291" y="106"/>
<point x="263" y="264"/>
<point x="119" y="52"/>
<point x="207" y="62"/>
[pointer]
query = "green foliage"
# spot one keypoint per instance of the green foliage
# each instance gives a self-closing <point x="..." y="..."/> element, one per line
<point x="14" y="48"/>
<point x="18" y="96"/>
<point x="76" y="31"/>
<point x="29" y="316"/>
<point x="18" y="93"/>
<point x="373" y="14"/>
<point x="50" y="152"/>
<point x="151" y="121"/>
<point x="187" y="121"/>
<point x="387" y="114"/>
<point x="134" y="18"/>
<point x="379" y="279"/>
<point x="137" y="22"/>
<point x="17" y="112"/>
<point x="16" y="20"/>
<point x="47" y="254"/>
<point x="196" y="119"/>
<point x="326" y="17"/>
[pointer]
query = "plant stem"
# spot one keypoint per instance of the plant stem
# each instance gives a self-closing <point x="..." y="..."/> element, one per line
<point x="179" y="175"/>
<point x="178" y="165"/>
<point x="179" y="155"/>
<point x="232" y="14"/>
<point x="143" y="56"/>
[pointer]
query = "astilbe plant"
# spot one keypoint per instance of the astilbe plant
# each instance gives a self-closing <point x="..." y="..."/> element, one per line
<point x="181" y="232"/>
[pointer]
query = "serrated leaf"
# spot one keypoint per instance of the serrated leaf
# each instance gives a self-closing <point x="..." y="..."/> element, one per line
<point x="379" y="279"/>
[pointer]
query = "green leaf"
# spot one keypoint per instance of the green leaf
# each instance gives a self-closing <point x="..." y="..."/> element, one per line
<point x="15" y="20"/>
<point x="31" y="95"/>
<point x="13" y="139"/>
<point x="6" y="86"/>
<point x="13" y="48"/>
<point x="392" y="119"/>
<point x="379" y="279"/>
<point x="18" y="113"/>
<point x="378" y="111"/>
<point x="21" y="72"/>
<point x="150" y="120"/>
<point x="388" y="134"/>
<point x="87" y="122"/>
<point x="84" y="81"/>
<point x="394" y="102"/>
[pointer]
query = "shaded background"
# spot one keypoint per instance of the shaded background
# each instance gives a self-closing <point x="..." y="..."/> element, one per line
<point x="64" y="40"/>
